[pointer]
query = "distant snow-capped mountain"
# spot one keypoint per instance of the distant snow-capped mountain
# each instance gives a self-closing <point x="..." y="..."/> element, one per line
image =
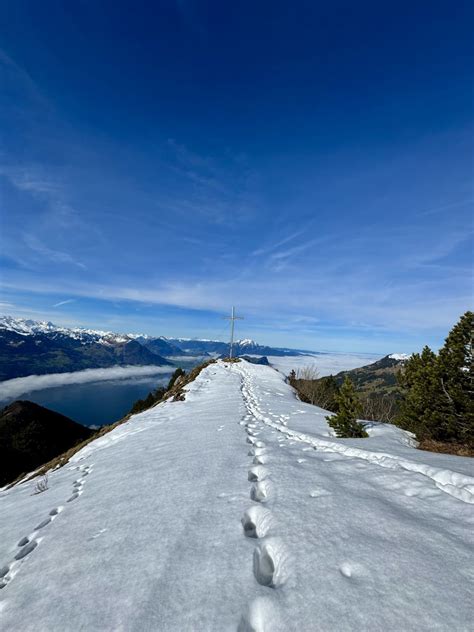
<point x="30" y="347"/>
<point x="39" y="347"/>
<point x="400" y="356"/>
<point x="26" y="327"/>
<point x="245" y="346"/>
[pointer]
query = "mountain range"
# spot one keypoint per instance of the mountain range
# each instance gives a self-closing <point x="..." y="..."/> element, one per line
<point x="30" y="347"/>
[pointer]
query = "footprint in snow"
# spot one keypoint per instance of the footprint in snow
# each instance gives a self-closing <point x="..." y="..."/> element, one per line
<point x="257" y="473"/>
<point x="27" y="544"/>
<point x="352" y="570"/>
<point x="256" y="522"/>
<point x="26" y="550"/>
<point x="43" y="524"/>
<point x="260" y="492"/>
<point x="256" y="451"/>
<point x="252" y="433"/>
<point x="270" y="563"/>
<point x="262" y="614"/>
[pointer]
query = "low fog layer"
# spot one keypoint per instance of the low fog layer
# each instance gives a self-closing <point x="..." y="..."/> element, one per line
<point x="326" y="364"/>
<point x="12" y="389"/>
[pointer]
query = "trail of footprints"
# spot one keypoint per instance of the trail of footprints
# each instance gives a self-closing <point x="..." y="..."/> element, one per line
<point x="270" y="560"/>
<point x="28" y="543"/>
<point x="268" y="557"/>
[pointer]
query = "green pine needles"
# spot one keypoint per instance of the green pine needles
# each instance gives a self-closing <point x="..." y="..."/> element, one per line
<point x="349" y="409"/>
<point x="439" y="389"/>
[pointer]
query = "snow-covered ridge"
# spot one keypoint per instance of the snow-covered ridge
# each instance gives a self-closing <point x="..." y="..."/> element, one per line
<point x="400" y="356"/>
<point x="189" y="339"/>
<point x="26" y="327"/>
<point x="246" y="342"/>
<point x="227" y="502"/>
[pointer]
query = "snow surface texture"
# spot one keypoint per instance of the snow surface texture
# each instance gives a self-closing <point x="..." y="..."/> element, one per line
<point x="237" y="510"/>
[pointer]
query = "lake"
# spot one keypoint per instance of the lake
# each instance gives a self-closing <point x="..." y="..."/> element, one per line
<point x="93" y="397"/>
<point x="96" y="397"/>
<point x="96" y="403"/>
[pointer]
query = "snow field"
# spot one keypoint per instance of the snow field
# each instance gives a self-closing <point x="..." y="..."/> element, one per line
<point x="366" y="542"/>
<point x="236" y="510"/>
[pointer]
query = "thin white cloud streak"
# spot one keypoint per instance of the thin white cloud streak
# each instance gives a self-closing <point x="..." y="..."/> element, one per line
<point x="291" y="252"/>
<point x="56" y="256"/>
<point x="67" y="302"/>
<point x="445" y="207"/>
<point x="11" y="389"/>
<point x="21" y="78"/>
<point x="4" y="305"/>
<point x="27" y="243"/>
<point x="277" y="244"/>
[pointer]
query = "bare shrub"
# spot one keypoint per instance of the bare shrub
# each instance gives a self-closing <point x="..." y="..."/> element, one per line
<point x="319" y="391"/>
<point x="307" y="386"/>
<point x="42" y="484"/>
<point x="380" y="407"/>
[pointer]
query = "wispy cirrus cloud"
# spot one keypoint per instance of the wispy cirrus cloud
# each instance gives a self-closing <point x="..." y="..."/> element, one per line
<point x="299" y="248"/>
<point x="66" y="302"/>
<point x="44" y="251"/>
<point x="277" y="244"/>
<point x="21" y="81"/>
<point x="222" y="192"/>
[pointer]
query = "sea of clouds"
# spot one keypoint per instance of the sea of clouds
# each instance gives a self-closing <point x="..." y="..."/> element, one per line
<point x="326" y="364"/>
<point x="12" y="389"/>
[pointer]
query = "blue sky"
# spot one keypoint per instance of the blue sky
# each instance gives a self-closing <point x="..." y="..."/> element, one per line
<point x="308" y="162"/>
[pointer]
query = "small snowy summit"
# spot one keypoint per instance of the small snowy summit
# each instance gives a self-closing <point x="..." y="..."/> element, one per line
<point x="236" y="509"/>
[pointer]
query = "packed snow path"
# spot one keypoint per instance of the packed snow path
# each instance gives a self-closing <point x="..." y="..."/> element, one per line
<point x="236" y="510"/>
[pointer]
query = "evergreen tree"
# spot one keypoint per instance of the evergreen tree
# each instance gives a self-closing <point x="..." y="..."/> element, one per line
<point x="456" y="375"/>
<point x="329" y="392"/>
<point x="423" y="409"/>
<point x="438" y="402"/>
<point x="349" y="408"/>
